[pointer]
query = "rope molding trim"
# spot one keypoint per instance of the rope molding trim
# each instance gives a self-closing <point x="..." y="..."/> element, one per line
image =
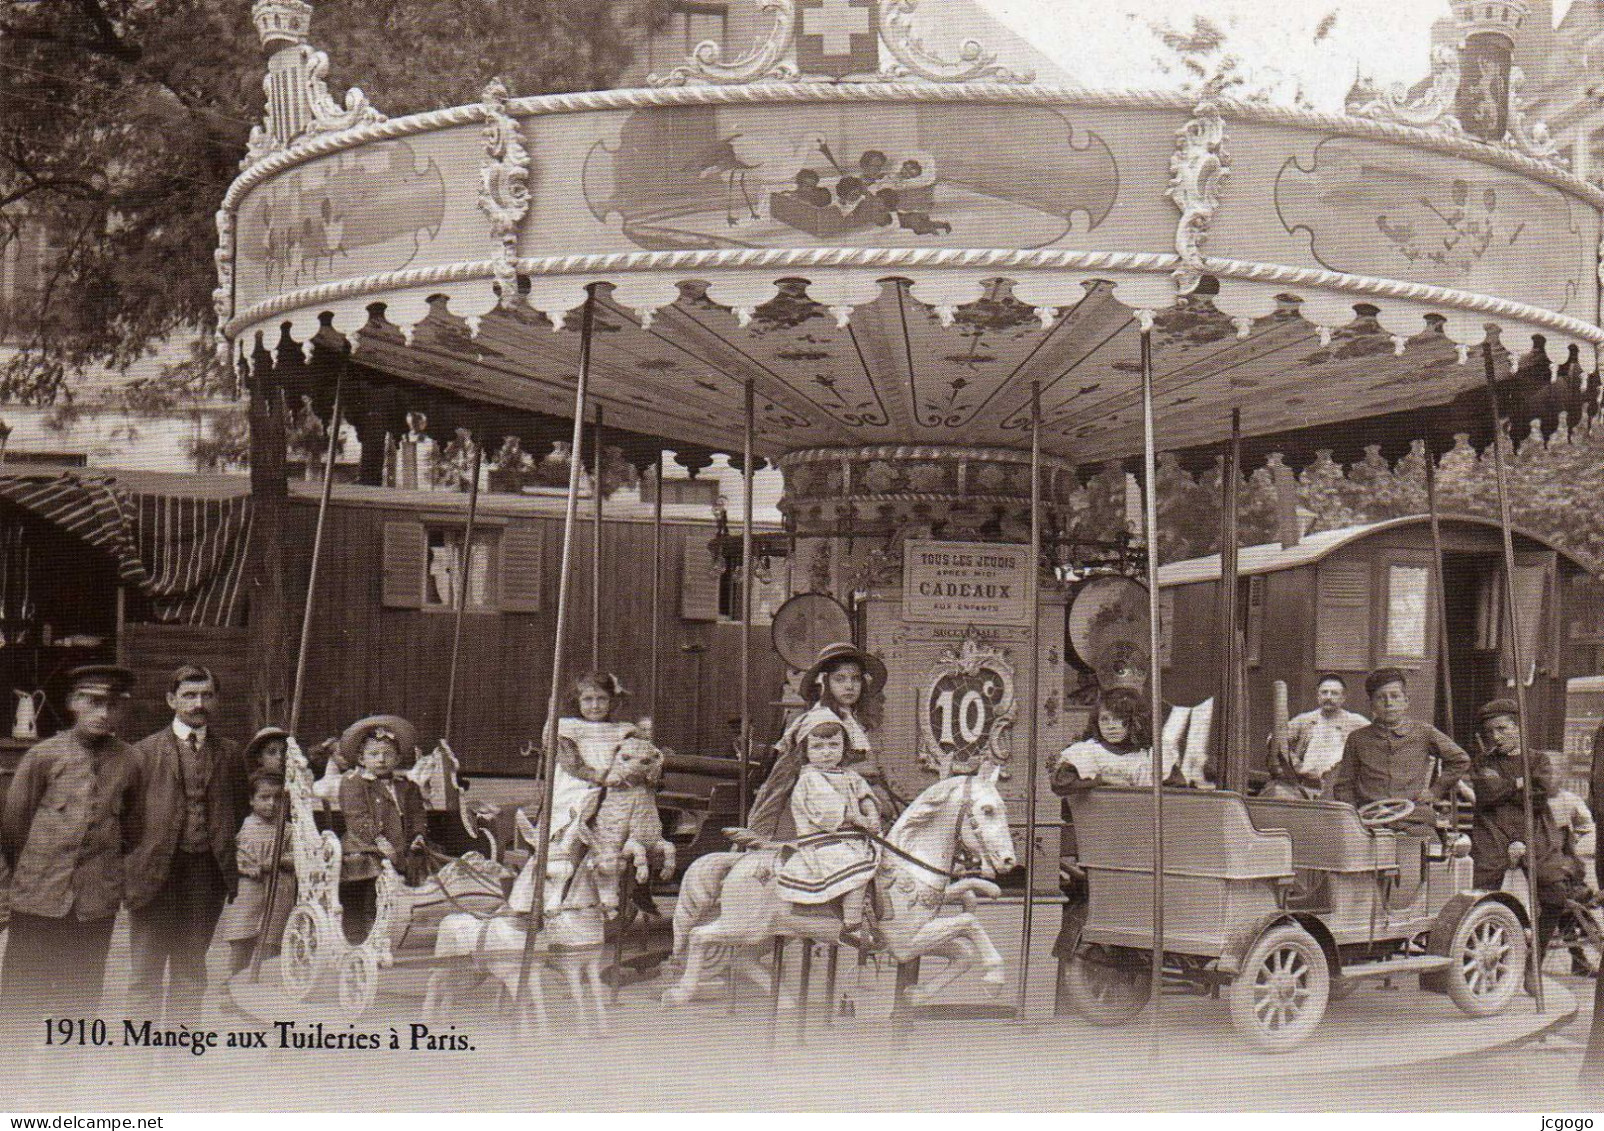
<point x="780" y="94"/>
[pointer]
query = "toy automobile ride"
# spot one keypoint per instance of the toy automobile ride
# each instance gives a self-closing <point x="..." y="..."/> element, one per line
<point x="1282" y="904"/>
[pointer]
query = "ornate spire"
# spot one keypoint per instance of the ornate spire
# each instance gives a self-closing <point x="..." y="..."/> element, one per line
<point x="298" y="101"/>
<point x="839" y="41"/>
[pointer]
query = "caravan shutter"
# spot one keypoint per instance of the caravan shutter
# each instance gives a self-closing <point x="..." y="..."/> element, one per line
<point x="523" y="549"/>
<point x="1342" y="620"/>
<point x="699" y="578"/>
<point x="405" y="557"/>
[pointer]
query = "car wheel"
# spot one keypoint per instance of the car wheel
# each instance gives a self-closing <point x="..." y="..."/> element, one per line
<point x="1486" y="960"/>
<point x="1280" y="996"/>
<point x="1108" y="985"/>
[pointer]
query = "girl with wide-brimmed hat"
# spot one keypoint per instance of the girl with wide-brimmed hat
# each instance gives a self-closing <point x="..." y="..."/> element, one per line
<point x="848" y="683"/>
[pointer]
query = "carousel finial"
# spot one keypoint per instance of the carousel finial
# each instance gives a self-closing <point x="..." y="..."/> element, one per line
<point x="298" y="101"/>
<point x="839" y="41"/>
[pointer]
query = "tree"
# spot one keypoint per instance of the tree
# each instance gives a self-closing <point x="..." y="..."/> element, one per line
<point x="122" y="122"/>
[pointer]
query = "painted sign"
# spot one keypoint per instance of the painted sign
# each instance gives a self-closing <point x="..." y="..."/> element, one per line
<point x="966" y="708"/>
<point x="838" y="37"/>
<point x="970" y="583"/>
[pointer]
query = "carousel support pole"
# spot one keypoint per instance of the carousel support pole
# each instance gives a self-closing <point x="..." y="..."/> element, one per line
<point x="1034" y="595"/>
<point x="596" y="546"/>
<point x="1446" y="676"/>
<point x="774" y="989"/>
<point x="548" y="753"/>
<point x="280" y="810"/>
<point x="805" y="972"/>
<point x="832" y="968"/>
<point x="1155" y="677"/>
<point x="464" y="576"/>
<point x="1232" y="758"/>
<point x="1516" y="659"/>
<point x="657" y="589"/>
<point x="746" y="590"/>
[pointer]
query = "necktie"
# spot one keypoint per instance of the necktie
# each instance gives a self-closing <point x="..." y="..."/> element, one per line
<point x="194" y="742"/>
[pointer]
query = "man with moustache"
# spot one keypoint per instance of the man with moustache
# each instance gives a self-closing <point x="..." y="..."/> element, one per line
<point x="195" y="795"/>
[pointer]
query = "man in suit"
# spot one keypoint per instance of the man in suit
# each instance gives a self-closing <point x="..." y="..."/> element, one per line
<point x="195" y="796"/>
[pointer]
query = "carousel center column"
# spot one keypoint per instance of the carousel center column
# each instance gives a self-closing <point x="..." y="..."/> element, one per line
<point x="929" y="546"/>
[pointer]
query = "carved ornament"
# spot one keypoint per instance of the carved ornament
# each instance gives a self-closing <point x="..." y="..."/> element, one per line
<point x="504" y="186"/>
<point x="1198" y="169"/>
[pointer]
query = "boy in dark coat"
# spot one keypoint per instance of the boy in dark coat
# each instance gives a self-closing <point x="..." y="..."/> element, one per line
<point x="384" y="814"/>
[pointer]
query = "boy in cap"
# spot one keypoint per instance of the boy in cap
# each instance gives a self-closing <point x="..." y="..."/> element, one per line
<point x="1500" y="817"/>
<point x="1392" y="757"/>
<point x="70" y="817"/>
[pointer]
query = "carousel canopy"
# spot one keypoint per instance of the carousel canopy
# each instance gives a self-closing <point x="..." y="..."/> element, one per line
<point x="901" y="260"/>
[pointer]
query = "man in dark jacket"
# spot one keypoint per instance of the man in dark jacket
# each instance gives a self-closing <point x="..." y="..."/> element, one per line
<point x="195" y="796"/>
<point x="71" y="815"/>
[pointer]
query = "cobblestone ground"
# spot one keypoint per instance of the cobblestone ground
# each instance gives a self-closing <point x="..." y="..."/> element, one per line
<point x="1373" y="1052"/>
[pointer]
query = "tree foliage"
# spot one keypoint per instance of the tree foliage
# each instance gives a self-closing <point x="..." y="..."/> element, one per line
<point x="122" y="122"/>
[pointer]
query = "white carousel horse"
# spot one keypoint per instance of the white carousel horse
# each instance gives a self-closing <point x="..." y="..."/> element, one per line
<point x="570" y="943"/>
<point x="741" y="889"/>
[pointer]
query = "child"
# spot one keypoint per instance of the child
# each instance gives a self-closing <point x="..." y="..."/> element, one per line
<point x="384" y="817"/>
<point x="1117" y="749"/>
<point x="829" y="801"/>
<point x="848" y="685"/>
<point x="586" y="746"/>
<point x="266" y="751"/>
<point x="246" y="918"/>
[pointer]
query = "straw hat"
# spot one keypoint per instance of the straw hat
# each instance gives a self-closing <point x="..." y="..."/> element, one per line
<point x="253" y="748"/>
<point x="404" y="733"/>
<point x="874" y="671"/>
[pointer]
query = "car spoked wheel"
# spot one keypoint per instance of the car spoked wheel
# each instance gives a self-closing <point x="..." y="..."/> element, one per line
<point x="1486" y="960"/>
<point x="1281" y="993"/>
<point x="1108" y="985"/>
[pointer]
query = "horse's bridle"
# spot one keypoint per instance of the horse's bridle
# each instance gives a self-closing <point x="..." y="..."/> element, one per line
<point x="966" y="819"/>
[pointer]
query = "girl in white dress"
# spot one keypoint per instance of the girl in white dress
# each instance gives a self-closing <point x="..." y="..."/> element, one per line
<point x="586" y="745"/>
<point x="848" y="683"/>
<point x="1117" y="749"/>
<point x="829" y="805"/>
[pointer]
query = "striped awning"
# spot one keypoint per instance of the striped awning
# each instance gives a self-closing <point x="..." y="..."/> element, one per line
<point x="186" y="554"/>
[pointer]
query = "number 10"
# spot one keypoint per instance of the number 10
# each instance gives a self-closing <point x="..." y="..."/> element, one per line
<point x="971" y="716"/>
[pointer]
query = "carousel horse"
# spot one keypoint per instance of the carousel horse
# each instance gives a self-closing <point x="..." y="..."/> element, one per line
<point x="731" y="899"/>
<point x="570" y="943"/>
<point x="621" y="827"/>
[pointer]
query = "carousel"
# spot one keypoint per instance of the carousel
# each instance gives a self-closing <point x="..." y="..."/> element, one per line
<point x="936" y="294"/>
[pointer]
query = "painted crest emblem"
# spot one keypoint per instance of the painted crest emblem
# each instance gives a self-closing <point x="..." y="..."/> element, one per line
<point x="838" y="37"/>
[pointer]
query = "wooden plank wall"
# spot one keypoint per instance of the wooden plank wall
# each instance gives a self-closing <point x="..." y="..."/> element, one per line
<point x="366" y="659"/>
<point x="154" y="650"/>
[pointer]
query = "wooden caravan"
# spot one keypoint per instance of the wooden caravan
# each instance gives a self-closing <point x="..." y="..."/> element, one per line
<point x="1360" y="597"/>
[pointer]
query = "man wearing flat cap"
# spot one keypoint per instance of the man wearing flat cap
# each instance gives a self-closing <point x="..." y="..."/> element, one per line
<point x="70" y="817"/>
<point x="1393" y="756"/>
<point x="195" y="797"/>
<point x="1501" y="785"/>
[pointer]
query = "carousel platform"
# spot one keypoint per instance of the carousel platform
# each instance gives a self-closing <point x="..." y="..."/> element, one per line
<point x="972" y="1054"/>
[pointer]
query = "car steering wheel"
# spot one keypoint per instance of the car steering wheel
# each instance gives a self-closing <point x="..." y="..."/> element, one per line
<point x="1385" y="812"/>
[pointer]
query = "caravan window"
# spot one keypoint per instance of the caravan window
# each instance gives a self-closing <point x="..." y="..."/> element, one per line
<point x="1408" y="606"/>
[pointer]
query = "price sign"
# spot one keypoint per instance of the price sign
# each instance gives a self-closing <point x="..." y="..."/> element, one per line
<point x="966" y="708"/>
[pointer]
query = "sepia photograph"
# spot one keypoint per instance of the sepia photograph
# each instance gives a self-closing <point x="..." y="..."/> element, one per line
<point x="800" y="556"/>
